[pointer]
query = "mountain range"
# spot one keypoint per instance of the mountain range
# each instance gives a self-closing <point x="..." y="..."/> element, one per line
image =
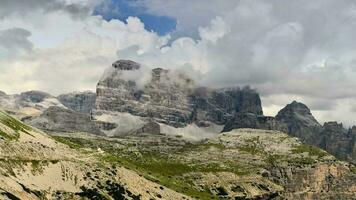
<point x="147" y="121"/>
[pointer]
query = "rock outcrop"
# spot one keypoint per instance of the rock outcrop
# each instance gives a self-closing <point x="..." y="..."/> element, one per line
<point x="57" y="119"/>
<point x="83" y="102"/>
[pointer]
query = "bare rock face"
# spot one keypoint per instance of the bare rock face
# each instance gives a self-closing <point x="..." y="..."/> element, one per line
<point x="57" y="119"/>
<point x="300" y="122"/>
<point x="220" y="105"/>
<point x="83" y="102"/>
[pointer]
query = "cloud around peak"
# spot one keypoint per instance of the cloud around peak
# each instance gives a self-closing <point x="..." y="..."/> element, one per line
<point x="286" y="50"/>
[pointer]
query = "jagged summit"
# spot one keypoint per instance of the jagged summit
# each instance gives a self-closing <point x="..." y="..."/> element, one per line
<point x="126" y="65"/>
<point x="300" y="122"/>
<point x="297" y="112"/>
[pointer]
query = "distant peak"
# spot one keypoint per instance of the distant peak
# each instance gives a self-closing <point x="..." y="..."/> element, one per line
<point x="126" y="65"/>
<point x="297" y="111"/>
<point x="295" y="105"/>
<point x="35" y="93"/>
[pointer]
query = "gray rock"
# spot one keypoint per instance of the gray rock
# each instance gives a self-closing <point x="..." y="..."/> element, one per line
<point x="83" y="102"/>
<point x="57" y="119"/>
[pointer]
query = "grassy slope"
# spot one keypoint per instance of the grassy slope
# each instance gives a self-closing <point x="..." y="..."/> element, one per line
<point x="175" y="171"/>
<point x="13" y="124"/>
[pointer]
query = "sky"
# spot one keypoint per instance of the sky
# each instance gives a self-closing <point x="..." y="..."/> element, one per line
<point x="287" y="50"/>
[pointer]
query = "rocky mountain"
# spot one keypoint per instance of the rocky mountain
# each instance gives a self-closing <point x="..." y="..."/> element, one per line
<point x="167" y="97"/>
<point x="332" y="137"/>
<point x="164" y="97"/>
<point x="134" y="95"/>
<point x="300" y="122"/>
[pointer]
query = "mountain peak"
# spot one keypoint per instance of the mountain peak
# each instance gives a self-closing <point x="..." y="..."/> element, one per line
<point x="126" y="65"/>
<point x="300" y="121"/>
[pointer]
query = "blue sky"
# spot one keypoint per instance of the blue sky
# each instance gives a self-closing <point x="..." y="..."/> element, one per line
<point x="121" y="9"/>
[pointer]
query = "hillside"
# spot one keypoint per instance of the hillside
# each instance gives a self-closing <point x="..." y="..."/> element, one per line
<point x="35" y="166"/>
<point x="241" y="164"/>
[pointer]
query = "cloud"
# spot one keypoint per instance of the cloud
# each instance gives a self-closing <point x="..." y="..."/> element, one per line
<point x="14" y="41"/>
<point x="23" y="8"/>
<point x="59" y="53"/>
<point x="190" y="15"/>
<point x="303" y="50"/>
<point x="288" y="50"/>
